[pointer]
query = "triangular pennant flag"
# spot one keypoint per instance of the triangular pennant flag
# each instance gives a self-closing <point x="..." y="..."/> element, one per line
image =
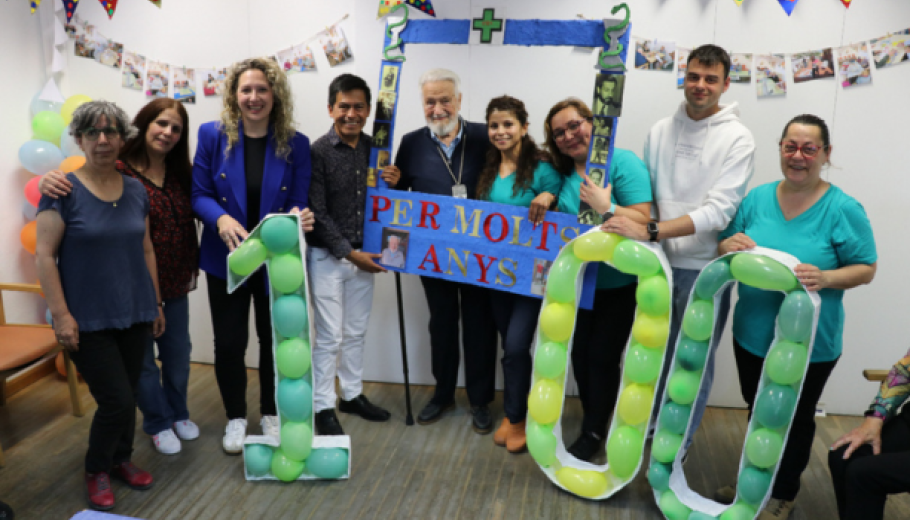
<point x="109" y="7"/>
<point x="423" y="5"/>
<point x="846" y="2"/>
<point x="51" y="93"/>
<point x="70" y="6"/>
<point x="156" y="2"/>
<point x="788" y="5"/>
<point x="385" y="7"/>
<point x="738" y="2"/>
<point x="34" y="4"/>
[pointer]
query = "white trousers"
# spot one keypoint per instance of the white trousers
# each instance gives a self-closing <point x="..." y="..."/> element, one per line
<point x="342" y="298"/>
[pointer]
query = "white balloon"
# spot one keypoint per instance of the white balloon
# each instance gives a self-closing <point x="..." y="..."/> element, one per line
<point x="68" y="144"/>
<point x="29" y="211"/>
<point x="40" y="105"/>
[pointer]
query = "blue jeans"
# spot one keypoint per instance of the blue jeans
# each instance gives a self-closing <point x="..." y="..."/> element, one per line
<point x="516" y="319"/>
<point x="162" y="394"/>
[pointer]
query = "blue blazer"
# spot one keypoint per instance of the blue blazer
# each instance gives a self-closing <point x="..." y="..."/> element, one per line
<point x="219" y="187"/>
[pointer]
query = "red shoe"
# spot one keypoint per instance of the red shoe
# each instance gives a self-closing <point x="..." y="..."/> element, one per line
<point x="98" y="488"/>
<point x="134" y="477"/>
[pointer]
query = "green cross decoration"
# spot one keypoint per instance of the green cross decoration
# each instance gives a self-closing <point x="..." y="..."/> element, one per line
<point x="487" y="25"/>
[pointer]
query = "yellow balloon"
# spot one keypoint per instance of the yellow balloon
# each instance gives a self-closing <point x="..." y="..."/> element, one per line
<point x="651" y="331"/>
<point x="70" y="106"/>
<point x="635" y="403"/>
<point x="545" y="401"/>
<point x="557" y="321"/>
<point x="586" y="483"/>
<point x="596" y="247"/>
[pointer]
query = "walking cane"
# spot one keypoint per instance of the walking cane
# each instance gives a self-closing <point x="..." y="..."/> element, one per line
<point x="409" y="420"/>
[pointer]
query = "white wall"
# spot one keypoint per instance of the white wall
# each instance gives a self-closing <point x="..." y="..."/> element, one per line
<point x="866" y="123"/>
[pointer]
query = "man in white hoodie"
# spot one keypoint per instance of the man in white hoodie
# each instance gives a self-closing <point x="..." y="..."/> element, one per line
<point x="700" y="160"/>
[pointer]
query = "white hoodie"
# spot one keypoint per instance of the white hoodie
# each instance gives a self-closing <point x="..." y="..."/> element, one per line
<point x="700" y="169"/>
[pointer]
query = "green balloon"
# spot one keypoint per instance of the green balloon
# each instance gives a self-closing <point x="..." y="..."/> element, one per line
<point x="665" y="446"/>
<point x="295" y="399"/>
<point x="671" y="506"/>
<point x="550" y="360"/>
<point x="698" y="515"/>
<point x="562" y="276"/>
<point x="786" y="362"/>
<point x="624" y="448"/>
<point x="712" y="278"/>
<point x="595" y="247"/>
<point x="774" y="405"/>
<point x="284" y="468"/>
<point x="541" y="442"/>
<point x="292" y="357"/>
<point x="795" y="317"/>
<point x="630" y="257"/>
<point x="691" y="354"/>
<point x="279" y="234"/>
<point x="674" y="417"/>
<point x="246" y="258"/>
<point x="286" y="273"/>
<point x="739" y="511"/>
<point x="289" y="315"/>
<point x="257" y="458"/>
<point x="296" y="440"/>
<point x="753" y="484"/>
<point x="653" y="295"/>
<point x="329" y="463"/>
<point x="763" y="272"/>
<point x="763" y="447"/>
<point x="698" y="321"/>
<point x="642" y="364"/>
<point x="48" y="126"/>
<point x="683" y="386"/>
<point x="659" y="476"/>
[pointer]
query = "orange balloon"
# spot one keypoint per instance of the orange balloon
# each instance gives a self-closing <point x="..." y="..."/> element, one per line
<point x="71" y="164"/>
<point x="29" y="237"/>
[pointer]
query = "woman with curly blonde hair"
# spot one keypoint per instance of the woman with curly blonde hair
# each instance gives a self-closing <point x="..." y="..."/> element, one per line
<point x="249" y="164"/>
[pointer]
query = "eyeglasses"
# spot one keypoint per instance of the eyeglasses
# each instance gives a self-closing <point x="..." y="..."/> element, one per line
<point x="109" y="133"/>
<point x="808" y="150"/>
<point x="572" y="126"/>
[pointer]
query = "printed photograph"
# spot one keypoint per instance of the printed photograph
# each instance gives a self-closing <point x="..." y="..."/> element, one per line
<point x="382" y="159"/>
<point x="853" y="65"/>
<point x="335" y="46"/>
<point x="296" y="59"/>
<point x="156" y="83"/>
<point x="654" y="55"/>
<point x="587" y="216"/>
<point x="132" y="71"/>
<point x="212" y="81"/>
<point x="682" y="62"/>
<point x="109" y="53"/>
<point x="740" y="68"/>
<point x="608" y="95"/>
<point x="185" y="85"/>
<point x="597" y="176"/>
<point x="371" y="178"/>
<point x="381" y="132"/>
<point x="385" y="106"/>
<point x="770" y="75"/>
<point x="600" y="150"/>
<point x="394" y="247"/>
<point x="891" y="49"/>
<point x="539" y="278"/>
<point x="75" y="29"/>
<point x="603" y="126"/>
<point x="389" y="78"/>
<point x="808" y="66"/>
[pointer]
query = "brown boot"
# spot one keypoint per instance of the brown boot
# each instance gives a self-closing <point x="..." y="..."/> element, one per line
<point x="517" y="441"/>
<point x="499" y="438"/>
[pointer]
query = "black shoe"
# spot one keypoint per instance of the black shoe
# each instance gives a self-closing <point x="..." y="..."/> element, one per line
<point x="361" y="406"/>
<point x="483" y="419"/>
<point x="6" y="512"/>
<point x="586" y="446"/>
<point x="327" y="423"/>
<point x="433" y="411"/>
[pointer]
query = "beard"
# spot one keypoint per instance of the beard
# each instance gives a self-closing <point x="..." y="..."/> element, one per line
<point x="443" y="127"/>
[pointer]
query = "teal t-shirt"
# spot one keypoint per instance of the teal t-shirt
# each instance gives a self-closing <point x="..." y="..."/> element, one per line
<point x="546" y="178"/>
<point x="631" y="185"/>
<point x="833" y="233"/>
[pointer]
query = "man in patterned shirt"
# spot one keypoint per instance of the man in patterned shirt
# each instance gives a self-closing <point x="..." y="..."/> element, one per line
<point x="341" y="275"/>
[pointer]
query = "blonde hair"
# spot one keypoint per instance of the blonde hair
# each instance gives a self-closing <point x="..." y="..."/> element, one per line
<point x="281" y="119"/>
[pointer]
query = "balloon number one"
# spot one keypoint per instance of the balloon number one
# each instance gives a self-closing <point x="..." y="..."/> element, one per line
<point x="775" y="402"/>
<point x="641" y="370"/>
<point x="298" y="454"/>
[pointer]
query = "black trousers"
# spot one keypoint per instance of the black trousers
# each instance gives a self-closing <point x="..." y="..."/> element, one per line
<point x="600" y="338"/>
<point x="110" y="361"/>
<point x="799" y="444"/>
<point x="863" y="482"/>
<point x="516" y="319"/>
<point x="447" y="301"/>
<point x="230" y="322"/>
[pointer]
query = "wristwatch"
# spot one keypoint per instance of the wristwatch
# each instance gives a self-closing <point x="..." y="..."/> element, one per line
<point x="652" y="231"/>
<point x="609" y="213"/>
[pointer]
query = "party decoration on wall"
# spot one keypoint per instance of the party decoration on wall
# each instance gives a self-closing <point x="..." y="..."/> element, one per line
<point x="682" y="62"/>
<point x="298" y="454"/>
<point x="854" y="65"/>
<point x="612" y="56"/>
<point x="891" y="50"/>
<point x="336" y="47"/>
<point x="846" y="2"/>
<point x="394" y="36"/>
<point x="387" y="6"/>
<point x="812" y="65"/>
<point x="654" y="54"/>
<point x="296" y="59"/>
<point x="486" y="26"/>
<point x="776" y="397"/>
<point x="70" y="7"/>
<point x="740" y="68"/>
<point x="788" y="5"/>
<point x="738" y="2"/>
<point x="156" y="2"/>
<point x="185" y="85"/>
<point x="109" y="7"/>
<point x="770" y="75"/>
<point x="34" y="4"/>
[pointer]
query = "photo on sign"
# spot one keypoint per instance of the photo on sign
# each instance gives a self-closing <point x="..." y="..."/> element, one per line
<point x="770" y="75"/>
<point x="600" y="151"/>
<point x="603" y="126"/>
<point x="853" y="65"/>
<point x="335" y="46"/>
<point x="808" y="66"/>
<point x="539" y="278"/>
<point x="382" y="159"/>
<point x="654" y="55"/>
<point x="389" y="78"/>
<point x="371" y="177"/>
<point x="741" y="68"/>
<point x="133" y="71"/>
<point x="185" y="85"/>
<point x="381" y="132"/>
<point x="891" y="50"/>
<point x="212" y="81"/>
<point x="394" y="247"/>
<point x="156" y="84"/>
<point x="385" y="106"/>
<point x="682" y="64"/>
<point x="608" y="91"/>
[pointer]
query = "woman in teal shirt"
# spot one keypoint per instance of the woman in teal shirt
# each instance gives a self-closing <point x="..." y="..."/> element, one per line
<point x="828" y="231"/>
<point x="515" y="173"/>
<point x="601" y="333"/>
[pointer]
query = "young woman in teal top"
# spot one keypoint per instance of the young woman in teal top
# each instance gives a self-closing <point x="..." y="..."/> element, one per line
<point x="515" y="173"/>
<point x="828" y="231"/>
<point x="601" y="333"/>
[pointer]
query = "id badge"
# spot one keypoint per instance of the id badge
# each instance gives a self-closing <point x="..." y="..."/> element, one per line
<point x="460" y="191"/>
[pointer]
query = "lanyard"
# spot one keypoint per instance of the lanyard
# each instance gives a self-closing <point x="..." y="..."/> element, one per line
<point x="445" y="160"/>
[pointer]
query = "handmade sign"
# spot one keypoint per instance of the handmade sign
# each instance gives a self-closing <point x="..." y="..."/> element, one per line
<point x="278" y="244"/>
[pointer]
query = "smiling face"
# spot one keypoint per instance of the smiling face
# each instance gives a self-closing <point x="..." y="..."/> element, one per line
<point x="506" y="131"/>
<point x="350" y="113"/>
<point x="254" y="97"/>
<point x="703" y="88"/>
<point x="571" y="143"/>
<point x="393" y="242"/>
<point x="798" y="168"/>
<point x="164" y="132"/>
<point x="441" y="106"/>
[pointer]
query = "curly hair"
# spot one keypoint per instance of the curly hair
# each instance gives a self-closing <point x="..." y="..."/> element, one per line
<point x="528" y="155"/>
<point x="562" y="162"/>
<point x="281" y="119"/>
<point x="177" y="161"/>
<point x="90" y="112"/>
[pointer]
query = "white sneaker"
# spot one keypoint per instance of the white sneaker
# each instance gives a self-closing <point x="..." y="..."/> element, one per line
<point x="186" y="430"/>
<point x="234" y="434"/>
<point x="271" y="426"/>
<point x="166" y="442"/>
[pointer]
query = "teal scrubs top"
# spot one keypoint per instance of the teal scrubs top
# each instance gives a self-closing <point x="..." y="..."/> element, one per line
<point x="833" y="233"/>
<point x="631" y="185"/>
<point x="546" y="179"/>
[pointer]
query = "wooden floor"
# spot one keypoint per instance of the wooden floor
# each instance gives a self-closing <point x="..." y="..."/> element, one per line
<point x="442" y="471"/>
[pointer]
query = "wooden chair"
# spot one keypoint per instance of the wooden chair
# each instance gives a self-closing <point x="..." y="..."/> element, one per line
<point x="23" y="344"/>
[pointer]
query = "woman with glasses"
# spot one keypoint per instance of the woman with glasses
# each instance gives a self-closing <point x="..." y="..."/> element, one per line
<point x="97" y="267"/>
<point x="829" y="232"/>
<point x="602" y="332"/>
